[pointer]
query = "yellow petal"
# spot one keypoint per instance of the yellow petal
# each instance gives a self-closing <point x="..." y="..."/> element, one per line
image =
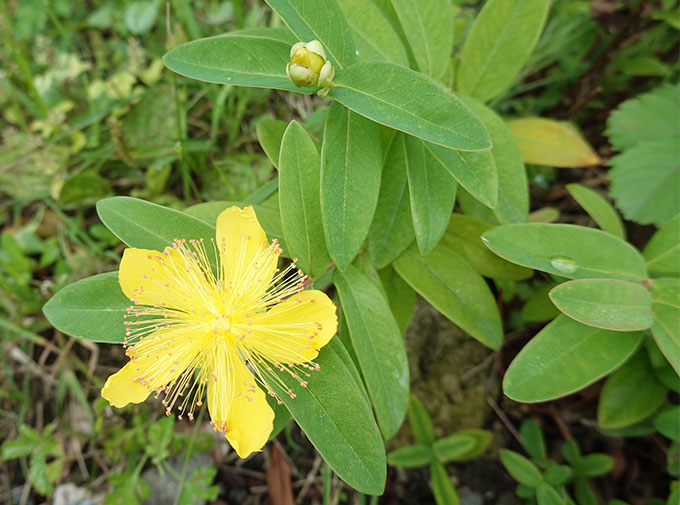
<point x="242" y="243"/>
<point x="294" y="330"/>
<point x="122" y="387"/>
<point x="156" y="361"/>
<point x="236" y="404"/>
<point x="150" y="277"/>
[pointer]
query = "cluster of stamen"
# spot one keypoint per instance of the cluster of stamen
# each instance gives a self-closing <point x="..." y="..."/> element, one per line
<point x="193" y="314"/>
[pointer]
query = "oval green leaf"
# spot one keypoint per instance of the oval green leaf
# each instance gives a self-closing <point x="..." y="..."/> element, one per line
<point x="269" y="134"/>
<point x="347" y="438"/>
<point x="597" y="207"/>
<point x="230" y="59"/>
<point x="666" y="309"/>
<point x="610" y="304"/>
<point x="564" y="357"/>
<point x="454" y="447"/>
<point x="443" y="490"/>
<point x="432" y="192"/>
<point x="446" y="280"/>
<point x="91" y="308"/>
<point x="406" y="100"/>
<point x="662" y="253"/>
<point x="351" y="166"/>
<point x="374" y="334"/>
<point x="521" y="469"/>
<point x="420" y="422"/>
<point x="299" y="200"/>
<point x="668" y="423"/>
<point x="630" y="394"/>
<point x="318" y="20"/>
<point x="501" y="39"/>
<point x="411" y="456"/>
<point x="567" y="250"/>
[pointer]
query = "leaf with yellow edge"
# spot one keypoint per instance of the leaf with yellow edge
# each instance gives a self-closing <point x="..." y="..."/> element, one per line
<point x="552" y="143"/>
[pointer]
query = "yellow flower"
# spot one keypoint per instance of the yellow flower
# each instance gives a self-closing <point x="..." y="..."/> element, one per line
<point x="193" y="329"/>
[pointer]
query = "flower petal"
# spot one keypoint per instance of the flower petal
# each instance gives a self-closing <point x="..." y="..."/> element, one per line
<point x="248" y="264"/>
<point x="150" y="277"/>
<point x="236" y="404"/>
<point x="294" y="330"/>
<point x="156" y="361"/>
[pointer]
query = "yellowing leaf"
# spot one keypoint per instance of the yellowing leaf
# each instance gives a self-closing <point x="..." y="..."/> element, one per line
<point x="552" y="143"/>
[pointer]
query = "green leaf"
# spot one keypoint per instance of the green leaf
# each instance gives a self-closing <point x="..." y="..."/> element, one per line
<point x="375" y="334"/>
<point x="443" y="490"/>
<point x="269" y="135"/>
<point x="453" y="447"/>
<point x="547" y="495"/>
<point x="270" y="219"/>
<point x="564" y="357"/>
<point x="598" y="208"/>
<point x="400" y="296"/>
<point x="566" y="250"/>
<point x="666" y="328"/>
<point x="583" y="492"/>
<point x="552" y="143"/>
<point x="351" y="166"/>
<point x="419" y="420"/>
<point x="667" y="423"/>
<point x="198" y="485"/>
<point x="92" y="308"/>
<point x="557" y="475"/>
<point x="374" y="37"/>
<point x="432" y="191"/>
<point x="513" y="187"/>
<point x="630" y="394"/>
<point x="318" y="20"/>
<point x="428" y="27"/>
<point x="392" y="229"/>
<point x="347" y="438"/>
<point x="662" y="252"/>
<point x="644" y="181"/>
<point x="538" y="307"/>
<point x="27" y="441"/>
<point x="299" y="200"/>
<point x="146" y="225"/>
<point x="482" y="441"/>
<point x="446" y="280"/>
<point x="651" y="116"/>
<point x="406" y="100"/>
<point x="141" y="16"/>
<point x="501" y="39"/>
<point x="229" y="59"/>
<point x="411" y="456"/>
<point x="610" y="304"/>
<point x="475" y="171"/>
<point x="464" y="236"/>
<point x="521" y="469"/>
<point x="532" y="440"/>
<point x="594" y="465"/>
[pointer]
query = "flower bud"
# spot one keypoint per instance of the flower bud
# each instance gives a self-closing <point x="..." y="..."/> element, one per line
<point x="308" y="65"/>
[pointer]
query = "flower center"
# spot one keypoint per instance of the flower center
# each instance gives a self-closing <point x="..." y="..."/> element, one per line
<point x="220" y="324"/>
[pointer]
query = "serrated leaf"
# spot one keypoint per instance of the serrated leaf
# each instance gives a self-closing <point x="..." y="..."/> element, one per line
<point x="513" y="188"/>
<point x="432" y="191"/>
<point x="428" y="26"/>
<point x="630" y="394"/>
<point x="411" y="102"/>
<point x="92" y="308"/>
<point x="598" y="208"/>
<point x="299" y="182"/>
<point x="230" y="59"/>
<point x="375" y="334"/>
<point x="521" y="469"/>
<point x="610" y="304"/>
<point x="351" y="166"/>
<point x="443" y="490"/>
<point x="392" y="229"/>
<point x="666" y="310"/>
<point x="662" y="252"/>
<point x="446" y="280"/>
<point x="499" y="43"/>
<point x="318" y="20"/>
<point x="564" y="357"/>
<point x="374" y="37"/>
<point x="644" y="181"/>
<point x="411" y="456"/>
<point x="347" y="438"/>
<point x="552" y="143"/>
<point x="567" y="250"/>
<point x="464" y="235"/>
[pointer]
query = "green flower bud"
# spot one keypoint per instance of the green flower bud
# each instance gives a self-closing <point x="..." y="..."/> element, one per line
<point x="307" y="60"/>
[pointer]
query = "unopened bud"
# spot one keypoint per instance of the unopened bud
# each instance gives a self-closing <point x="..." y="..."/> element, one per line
<point x="308" y="65"/>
